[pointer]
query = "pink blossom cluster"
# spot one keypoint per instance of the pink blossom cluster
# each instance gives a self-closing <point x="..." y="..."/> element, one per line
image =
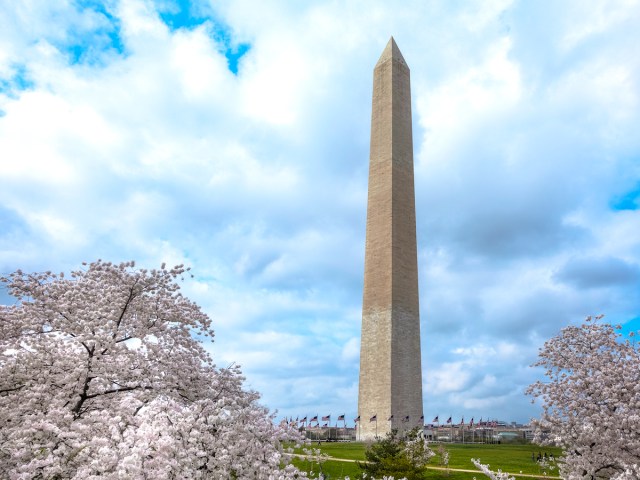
<point x="591" y="401"/>
<point x="418" y="450"/>
<point x="499" y="475"/>
<point x="100" y="376"/>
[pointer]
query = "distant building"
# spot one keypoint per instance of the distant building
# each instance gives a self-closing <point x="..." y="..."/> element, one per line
<point x="494" y="432"/>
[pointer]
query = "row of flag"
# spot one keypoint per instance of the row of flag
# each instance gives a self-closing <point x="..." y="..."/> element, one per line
<point x="481" y="423"/>
<point x="341" y="418"/>
<point x="375" y="418"/>
<point x="326" y="418"/>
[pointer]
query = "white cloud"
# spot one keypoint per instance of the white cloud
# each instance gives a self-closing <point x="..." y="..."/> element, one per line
<point x="351" y="350"/>
<point x="601" y="18"/>
<point x="447" y="377"/>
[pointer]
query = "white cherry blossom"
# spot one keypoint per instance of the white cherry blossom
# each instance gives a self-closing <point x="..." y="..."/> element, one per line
<point x="591" y="401"/>
<point x="101" y="376"/>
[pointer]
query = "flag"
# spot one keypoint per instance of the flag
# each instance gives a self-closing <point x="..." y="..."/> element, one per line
<point x="449" y="420"/>
<point x="326" y="418"/>
<point x="406" y="419"/>
<point x="435" y="420"/>
<point x="314" y="419"/>
<point x="374" y="418"/>
<point x="325" y="425"/>
<point x="471" y="422"/>
<point x="304" y="419"/>
<point x="341" y="418"/>
<point x="462" y="422"/>
<point x="390" y="418"/>
<point x="357" y="419"/>
<point x="422" y="418"/>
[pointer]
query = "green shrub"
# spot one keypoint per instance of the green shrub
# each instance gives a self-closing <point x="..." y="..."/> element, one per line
<point x="401" y="457"/>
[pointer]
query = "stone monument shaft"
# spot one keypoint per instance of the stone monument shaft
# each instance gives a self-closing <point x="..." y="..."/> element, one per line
<point x="390" y="360"/>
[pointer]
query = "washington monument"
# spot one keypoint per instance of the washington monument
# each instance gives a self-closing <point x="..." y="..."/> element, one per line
<point x="390" y="393"/>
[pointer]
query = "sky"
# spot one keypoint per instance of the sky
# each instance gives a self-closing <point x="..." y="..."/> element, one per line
<point x="233" y="137"/>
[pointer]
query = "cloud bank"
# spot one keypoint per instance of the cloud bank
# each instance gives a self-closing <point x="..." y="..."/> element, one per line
<point x="233" y="137"/>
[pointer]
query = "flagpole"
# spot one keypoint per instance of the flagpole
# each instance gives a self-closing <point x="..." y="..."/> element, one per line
<point x="473" y="432"/>
<point x="489" y="430"/>
<point x="490" y="425"/>
<point x="451" y="423"/>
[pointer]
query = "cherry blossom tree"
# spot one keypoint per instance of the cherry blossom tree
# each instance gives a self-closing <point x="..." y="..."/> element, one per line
<point x="101" y="375"/>
<point x="591" y="401"/>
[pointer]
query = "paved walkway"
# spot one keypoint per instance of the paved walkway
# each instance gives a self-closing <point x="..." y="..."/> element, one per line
<point x="523" y="475"/>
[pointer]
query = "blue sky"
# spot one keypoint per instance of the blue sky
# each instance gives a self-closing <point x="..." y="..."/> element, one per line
<point x="233" y="136"/>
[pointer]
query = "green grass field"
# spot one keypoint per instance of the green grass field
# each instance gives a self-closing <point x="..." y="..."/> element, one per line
<point x="514" y="459"/>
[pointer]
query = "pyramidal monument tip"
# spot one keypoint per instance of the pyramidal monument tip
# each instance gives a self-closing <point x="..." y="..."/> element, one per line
<point x="391" y="52"/>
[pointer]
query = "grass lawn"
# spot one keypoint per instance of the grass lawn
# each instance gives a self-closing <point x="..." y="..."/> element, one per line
<point x="348" y="450"/>
<point x="335" y="470"/>
<point x="508" y="458"/>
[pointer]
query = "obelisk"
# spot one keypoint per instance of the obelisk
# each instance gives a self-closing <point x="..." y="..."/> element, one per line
<point x="390" y="393"/>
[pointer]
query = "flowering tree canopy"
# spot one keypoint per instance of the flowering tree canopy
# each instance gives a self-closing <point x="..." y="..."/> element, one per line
<point x="591" y="403"/>
<point x="100" y="376"/>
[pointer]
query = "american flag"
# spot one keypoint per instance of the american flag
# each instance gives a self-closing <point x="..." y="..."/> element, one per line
<point x="326" y="418"/>
<point x="341" y="418"/>
<point x="390" y="418"/>
<point x="374" y="418"/>
<point x="406" y="419"/>
<point x="314" y="419"/>
<point x="357" y="419"/>
<point x="449" y="420"/>
<point x="435" y="420"/>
